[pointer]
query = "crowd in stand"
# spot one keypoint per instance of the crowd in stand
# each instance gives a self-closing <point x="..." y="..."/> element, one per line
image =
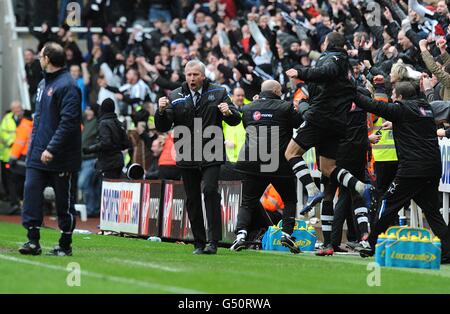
<point x="242" y="43"/>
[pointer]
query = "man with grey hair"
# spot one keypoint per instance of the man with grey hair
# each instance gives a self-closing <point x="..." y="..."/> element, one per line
<point x="195" y="106"/>
<point x="267" y="117"/>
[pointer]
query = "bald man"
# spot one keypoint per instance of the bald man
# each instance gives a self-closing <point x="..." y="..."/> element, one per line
<point x="269" y="121"/>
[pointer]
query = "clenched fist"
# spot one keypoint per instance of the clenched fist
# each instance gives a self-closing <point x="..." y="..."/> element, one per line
<point x="163" y="103"/>
<point x="292" y="73"/>
<point x="225" y="109"/>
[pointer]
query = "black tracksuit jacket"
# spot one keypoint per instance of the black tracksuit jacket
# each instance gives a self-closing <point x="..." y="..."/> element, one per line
<point x="414" y="131"/>
<point x="269" y="111"/>
<point x="331" y="90"/>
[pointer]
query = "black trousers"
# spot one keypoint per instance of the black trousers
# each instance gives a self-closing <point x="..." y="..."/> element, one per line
<point x="192" y="179"/>
<point x="253" y="188"/>
<point x="169" y="173"/>
<point x="113" y="174"/>
<point x="6" y="177"/>
<point x="385" y="171"/>
<point x="424" y="191"/>
<point x="65" y="186"/>
<point x="343" y="211"/>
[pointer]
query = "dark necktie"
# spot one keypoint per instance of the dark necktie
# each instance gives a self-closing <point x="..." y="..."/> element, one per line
<point x="197" y="97"/>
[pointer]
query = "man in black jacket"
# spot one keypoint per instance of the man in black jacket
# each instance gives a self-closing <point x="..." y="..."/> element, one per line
<point x="194" y="109"/>
<point x="352" y="155"/>
<point x="331" y="91"/>
<point x="112" y="140"/>
<point x="264" y="119"/>
<point x="419" y="156"/>
<point x="54" y="155"/>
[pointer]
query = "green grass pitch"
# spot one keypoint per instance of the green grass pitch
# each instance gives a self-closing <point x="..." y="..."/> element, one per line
<point x="123" y="265"/>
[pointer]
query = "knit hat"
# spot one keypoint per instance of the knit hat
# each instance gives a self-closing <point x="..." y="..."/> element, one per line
<point x="108" y="106"/>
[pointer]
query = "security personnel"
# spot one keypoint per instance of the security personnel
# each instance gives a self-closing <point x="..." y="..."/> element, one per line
<point x="264" y="117"/>
<point x="54" y="156"/>
<point x="7" y="134"/>
<point x="234" y="139"/>
<point x="196" y="105"/>
<point x="419" y="156"/>
<point x="383" y="150"/>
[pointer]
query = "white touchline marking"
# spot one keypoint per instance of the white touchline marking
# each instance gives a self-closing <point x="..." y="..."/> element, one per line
<point x="343" y="260"/>
<point x="122" y="280"/>
<point x="146" y="265"/>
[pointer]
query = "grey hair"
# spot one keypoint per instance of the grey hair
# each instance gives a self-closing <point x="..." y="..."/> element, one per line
<point x="194" y="63"/>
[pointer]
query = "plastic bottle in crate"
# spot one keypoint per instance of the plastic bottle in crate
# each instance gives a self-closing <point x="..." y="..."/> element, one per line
<point x="389" y="241"/>
<point x="436" y="264"/>
<point x="379" y="250"/>
<point x="424" y="245"/>
<point x="414" y="247"/>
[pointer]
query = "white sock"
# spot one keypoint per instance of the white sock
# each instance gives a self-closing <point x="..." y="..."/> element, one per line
<point x="241" y="235"/>
<point x="360" y="187"/>
<point x="312" y="189"/>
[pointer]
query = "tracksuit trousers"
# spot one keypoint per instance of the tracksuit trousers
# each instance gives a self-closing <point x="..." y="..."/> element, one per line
<point x="65" y="187"/>
<point x="424" y="191"/>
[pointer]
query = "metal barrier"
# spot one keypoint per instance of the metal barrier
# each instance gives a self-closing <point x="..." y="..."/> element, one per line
<point x="12" y="66"/>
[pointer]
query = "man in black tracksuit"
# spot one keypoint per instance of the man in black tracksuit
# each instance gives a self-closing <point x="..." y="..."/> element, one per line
<point x="261" y="119"/>
<point x="54" y="156"/>
<point x="331" y="91"/>
<point x="352" y="155"/>
<point x="197" y="105"/>
<point x="419" y="158"/>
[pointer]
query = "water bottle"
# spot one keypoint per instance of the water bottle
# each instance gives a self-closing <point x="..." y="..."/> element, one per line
<point x="402" y="221"/>
<point x="413" y="246"/>
<point x="424" y="245"/>
<point x="436" y="264"/>
<point x="154" y="239"/>
<point x="380" y="250"/>
<point x="389" y="241"/>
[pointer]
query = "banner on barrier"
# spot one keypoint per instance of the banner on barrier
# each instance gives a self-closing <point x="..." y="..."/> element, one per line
<point x="120" y="207"/>
<point x="231" y="200"/>
<point x="176" y="224"/>
<point x="444" y="184"/>
<point x="151" y="198"/>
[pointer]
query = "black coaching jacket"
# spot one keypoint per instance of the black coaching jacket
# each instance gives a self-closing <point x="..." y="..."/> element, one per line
<point x="263" y="115"/>
<point x="414" y="131"/>
<point x="181" y="112"/>
<point x="331" y="90"/>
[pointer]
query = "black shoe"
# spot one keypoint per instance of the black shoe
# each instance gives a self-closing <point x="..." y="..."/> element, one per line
<point x="198" y="251"/>
<point x="338" y="249"/>
<point x="30" y="249"/>
<point x="211" y="248"/>
<point x="238" y="245"/>
<point x="366" y="252"/>
<point x="59" y="251"/>
<point x="289" y="242"/>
